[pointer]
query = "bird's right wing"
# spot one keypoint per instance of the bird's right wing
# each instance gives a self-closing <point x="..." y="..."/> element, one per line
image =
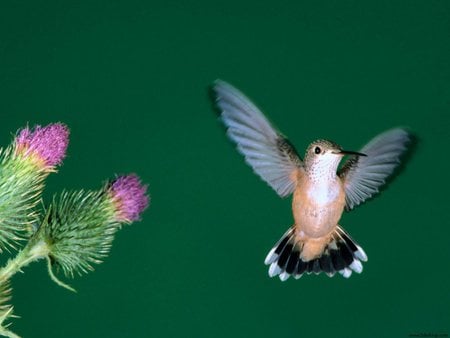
<point x="270" y="154"/>
<point x="363" y="175"/>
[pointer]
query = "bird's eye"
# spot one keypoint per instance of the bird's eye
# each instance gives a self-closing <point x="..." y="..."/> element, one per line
<point x="317" y="150"/>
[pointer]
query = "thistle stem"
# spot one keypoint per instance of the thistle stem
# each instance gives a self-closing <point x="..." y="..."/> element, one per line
<point x="33" y="251"/>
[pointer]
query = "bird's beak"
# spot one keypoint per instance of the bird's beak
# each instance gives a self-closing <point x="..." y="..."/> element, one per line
<point x="349" y="152"/>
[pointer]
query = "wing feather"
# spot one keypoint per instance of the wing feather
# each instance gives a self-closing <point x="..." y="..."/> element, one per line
<point x="270" y="154"/>
<point x="364" y="175"/>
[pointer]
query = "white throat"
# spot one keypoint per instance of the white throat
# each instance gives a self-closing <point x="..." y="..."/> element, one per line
<point x="324" y="168"/>
<point x="325" y="187"/>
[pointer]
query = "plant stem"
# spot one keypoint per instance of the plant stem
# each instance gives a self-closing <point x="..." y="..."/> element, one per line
<point x="33" y="251"/>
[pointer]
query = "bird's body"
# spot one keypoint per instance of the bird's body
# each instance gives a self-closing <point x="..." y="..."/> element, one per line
<point x="321" y="190"/>
<point x="317" y="207"/>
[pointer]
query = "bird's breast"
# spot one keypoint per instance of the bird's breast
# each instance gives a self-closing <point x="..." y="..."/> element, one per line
<point x="323" y="193"/>
<point x="318" y="206"/>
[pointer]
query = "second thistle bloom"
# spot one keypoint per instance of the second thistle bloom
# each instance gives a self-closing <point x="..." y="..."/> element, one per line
<point x="80" y="226"/>
<point x="129" y="197"/>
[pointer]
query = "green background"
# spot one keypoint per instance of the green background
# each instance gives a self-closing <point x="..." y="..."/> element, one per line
<point x="130" y="79"/>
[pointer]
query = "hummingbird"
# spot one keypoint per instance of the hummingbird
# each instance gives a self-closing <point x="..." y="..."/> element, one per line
<point x="321" y="189"/>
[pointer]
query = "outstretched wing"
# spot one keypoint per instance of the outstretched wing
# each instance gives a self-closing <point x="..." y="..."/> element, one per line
<point x="363" y="175"/>
<point x="270" y="155"/>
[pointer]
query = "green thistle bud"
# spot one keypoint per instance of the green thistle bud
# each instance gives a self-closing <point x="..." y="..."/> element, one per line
<point x="79" y="226"/>
<point x="79" y="230"/>
<point x="23" y="167"/>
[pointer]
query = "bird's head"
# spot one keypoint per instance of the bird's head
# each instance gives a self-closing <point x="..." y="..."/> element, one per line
<point x="322" y="158"/>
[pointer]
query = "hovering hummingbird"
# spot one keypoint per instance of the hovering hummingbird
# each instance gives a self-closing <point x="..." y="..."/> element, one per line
<point x="321" y="190"/>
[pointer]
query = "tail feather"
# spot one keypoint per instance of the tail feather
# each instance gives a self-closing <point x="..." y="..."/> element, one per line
<point x="275" y="252"/>
<point x="341" y="254"/>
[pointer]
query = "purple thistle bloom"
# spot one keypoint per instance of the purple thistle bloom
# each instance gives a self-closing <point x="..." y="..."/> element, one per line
<point x="129" y="196"/>
<point x="49" y="143"/>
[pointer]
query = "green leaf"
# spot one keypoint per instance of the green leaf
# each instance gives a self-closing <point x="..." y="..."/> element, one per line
<point x="6" y="310"/>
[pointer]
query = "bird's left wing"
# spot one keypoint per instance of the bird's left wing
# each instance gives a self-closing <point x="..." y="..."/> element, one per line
<point x="363" y="175"/>
<point x="270" y="154"/>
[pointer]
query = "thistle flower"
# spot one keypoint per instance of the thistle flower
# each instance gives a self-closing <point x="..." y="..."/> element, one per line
<point x="80" y="226"/>
<point x="129" y="198"/>
<point x="24" y="165"/>
<point x="46" y="145"/>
